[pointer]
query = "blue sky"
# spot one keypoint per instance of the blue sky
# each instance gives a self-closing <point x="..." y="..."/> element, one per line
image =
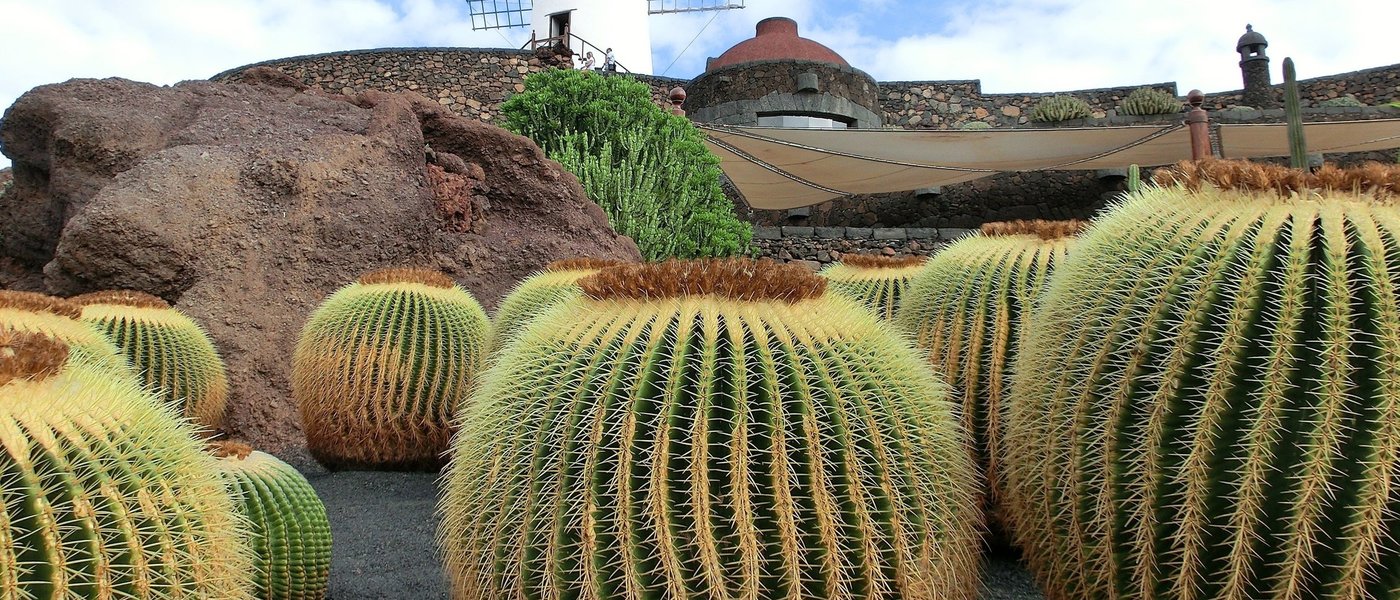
<point x="1021" y="46"/>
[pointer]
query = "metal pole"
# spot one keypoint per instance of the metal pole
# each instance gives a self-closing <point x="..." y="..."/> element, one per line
<point x="1199" y="123"/>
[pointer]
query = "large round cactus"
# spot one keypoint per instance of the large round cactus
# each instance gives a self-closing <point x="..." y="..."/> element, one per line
<point x="291" y="536"/>
<point x="56" y="317"/>
<point x="383" y="364"/>
<point x="1207" y="402"/>
<point x="875" y="281"/>
<point x="104" y="493"/>
<point x="173" y="355"/>
<point x="705" y="430"/>
<point x="557" y="283"/>
<point x="965" y="311"/>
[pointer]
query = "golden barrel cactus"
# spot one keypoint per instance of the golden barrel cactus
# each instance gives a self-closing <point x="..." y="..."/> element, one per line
<point x="104" y="492"/>
<point x="965" y="311"/>
<point x="290" y="533"/>
<point x="1207" y="401"/>
<point x="875" y="281"/>
<point x="383" y="364"/>
<point x="40" y="313"/>
<point x="171" y="353"/>
<point x="557" y="283"/>
<point x="707" y="429"/>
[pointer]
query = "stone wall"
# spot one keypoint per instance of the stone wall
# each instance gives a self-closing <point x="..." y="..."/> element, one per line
<point x="1373" y="87"/>
<point x="815" y="247"/>
<point x="950" y="104"/>
<point x="739" y="94"/>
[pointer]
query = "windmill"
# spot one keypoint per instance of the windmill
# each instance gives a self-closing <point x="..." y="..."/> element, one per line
<point x="590" y="25"/>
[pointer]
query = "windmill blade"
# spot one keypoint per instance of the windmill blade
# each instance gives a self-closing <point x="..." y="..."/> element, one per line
<point x="661" y="7"/>
<point x="500" y="14"/>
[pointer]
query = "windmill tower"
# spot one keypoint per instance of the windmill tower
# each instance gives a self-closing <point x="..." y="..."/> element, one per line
<point x="590" y="25"/>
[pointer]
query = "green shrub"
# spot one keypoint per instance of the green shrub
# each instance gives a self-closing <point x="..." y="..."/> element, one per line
<point x="1341" y="102"/>
<point x="975" y="125"/>
<point x="1148" y="101"/>
<point x="1060" y="108"/>
<point x="648" y="169"/>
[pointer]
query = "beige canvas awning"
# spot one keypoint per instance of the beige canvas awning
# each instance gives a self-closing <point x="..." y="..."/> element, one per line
<point x="1271" y="139"/>
<point x="787" y="168"/>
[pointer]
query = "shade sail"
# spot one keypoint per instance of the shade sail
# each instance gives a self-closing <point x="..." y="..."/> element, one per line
<point x="1271" y="139"/>
<point x="786" y="168"/>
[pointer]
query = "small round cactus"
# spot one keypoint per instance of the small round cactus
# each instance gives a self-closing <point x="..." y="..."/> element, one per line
<point x="40" y="313"/>
<point x="291" y="536"/>
<point x="706" y="429"/>
<point x="1206" y="403"/>
<point x="383" y="364"/>
<point x="965" y="311"/>
<point x="877" y="282"/>
<point x="173" y="355"/>
<point x="557" y="283"/>
<point x="104" y="492"/>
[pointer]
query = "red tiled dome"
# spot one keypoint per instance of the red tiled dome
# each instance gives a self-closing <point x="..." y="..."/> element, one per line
<point x="777" y="39"/>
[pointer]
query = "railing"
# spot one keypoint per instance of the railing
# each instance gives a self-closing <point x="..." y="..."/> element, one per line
<point x="567" y="40"/>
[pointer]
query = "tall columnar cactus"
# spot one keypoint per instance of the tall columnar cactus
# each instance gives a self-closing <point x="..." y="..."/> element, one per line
<point x="383" y="364"/>
<point x="557" y="283"/>
<point x="1207" y="401"/>
<point x="965" y="312"/>
<point x="1134" y="183"/>
<point x="104" y="494"/>
<point x="291" y="536"/>
<point x="705" y="430"/>
<point x="173" y="355"/>
<point x="876" y="282"/>
<point x="1293" y="109"/>
<point x="40" y="313"/>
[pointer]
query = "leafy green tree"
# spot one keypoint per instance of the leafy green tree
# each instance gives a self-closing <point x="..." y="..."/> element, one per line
<point x="648" y="169"/>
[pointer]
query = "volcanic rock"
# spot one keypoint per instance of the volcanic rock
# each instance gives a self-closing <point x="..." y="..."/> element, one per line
<point x="246" y="204"/>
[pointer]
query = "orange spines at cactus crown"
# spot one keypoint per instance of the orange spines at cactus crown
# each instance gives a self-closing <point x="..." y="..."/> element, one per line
<point x="877" y="282"/>
<point x="383" y="364"/>
<point x="41" y="313"/>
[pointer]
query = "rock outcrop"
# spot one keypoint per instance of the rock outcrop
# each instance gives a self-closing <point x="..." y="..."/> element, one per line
<point x="246" y="204"/>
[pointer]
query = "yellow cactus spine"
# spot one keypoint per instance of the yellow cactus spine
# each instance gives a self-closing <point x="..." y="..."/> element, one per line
<point x="965" y="311"/>
<point x="557" y="283"/>
<point x="40" y="313"/>
<point x="383" y="364"/>
<point x="104" y="493"/>
<point x="1207" y="401"/>
<point x="875" y="281"/>
<point x="291" y="536"/>
<point x="172" y="354"/>
<point x="708" y="429"/>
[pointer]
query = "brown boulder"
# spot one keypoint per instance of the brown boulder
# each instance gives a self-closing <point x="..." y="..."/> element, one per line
<point x="246" y="204"/>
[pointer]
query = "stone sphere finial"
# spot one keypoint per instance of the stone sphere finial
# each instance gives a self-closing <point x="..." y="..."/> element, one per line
<point x="1195" y="98"/>
<point x="677" y="95"/>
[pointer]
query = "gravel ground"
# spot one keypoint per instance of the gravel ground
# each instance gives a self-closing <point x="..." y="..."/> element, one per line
<point x="383" y="526"/>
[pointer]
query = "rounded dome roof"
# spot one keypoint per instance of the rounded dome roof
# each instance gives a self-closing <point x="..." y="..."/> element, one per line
<point x="776" y="39"/>
<point x="1250" y="38"/>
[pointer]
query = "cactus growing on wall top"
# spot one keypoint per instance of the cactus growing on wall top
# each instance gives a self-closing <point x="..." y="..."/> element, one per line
<point x="28" y="311"/>
<point x="105" y="493"/>
<point x="875" y="281"/>
<point x="1060" y="108"/>
<point x="1149" y="101"/>
<point x="382" y="365"/>
<point x="709" y="429"/>
<point x="169" y="351"/>
<point x="290" y="534"/>
<point x="558" y="282"/>
<point x="1207" y="401"/>
<point x="965" y="311"/>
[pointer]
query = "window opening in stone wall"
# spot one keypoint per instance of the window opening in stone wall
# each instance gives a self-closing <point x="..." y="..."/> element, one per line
<point x="559" y="24"/>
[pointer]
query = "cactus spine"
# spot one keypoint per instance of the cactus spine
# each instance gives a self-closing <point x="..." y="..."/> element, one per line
<point x="172" y="354"/>
<point x="56" y="317"/>
<point x="1293" y="109"/>
<point x="965" y="311"/>
<point x="877" y="282"/>
<point x="291" y="536"/>
<point x="1207" y="401"/>
<point x="104" y="494"/>
<point x="382" y="365"/>
<point x="703" y="430"/>
<point x="557" y="283"/>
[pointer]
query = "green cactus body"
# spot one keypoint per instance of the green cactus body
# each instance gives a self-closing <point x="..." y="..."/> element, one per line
<point x="965" y="310"/>
<point x="1293" y="113"/>
<point x="383" y="364"/>
<point x="173" y="355"/>
<point x="39" y="313"/>
<point x="104" y="493"/>
<point x="1060" y="108"/>
<point x="706" y="430"/>
<point x="1148" y="101"/>
<point x="1207" y="401"/>
<point x="876" y="282"/>
<point x="291" y="536"/>
<point x="557" y="283"/>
